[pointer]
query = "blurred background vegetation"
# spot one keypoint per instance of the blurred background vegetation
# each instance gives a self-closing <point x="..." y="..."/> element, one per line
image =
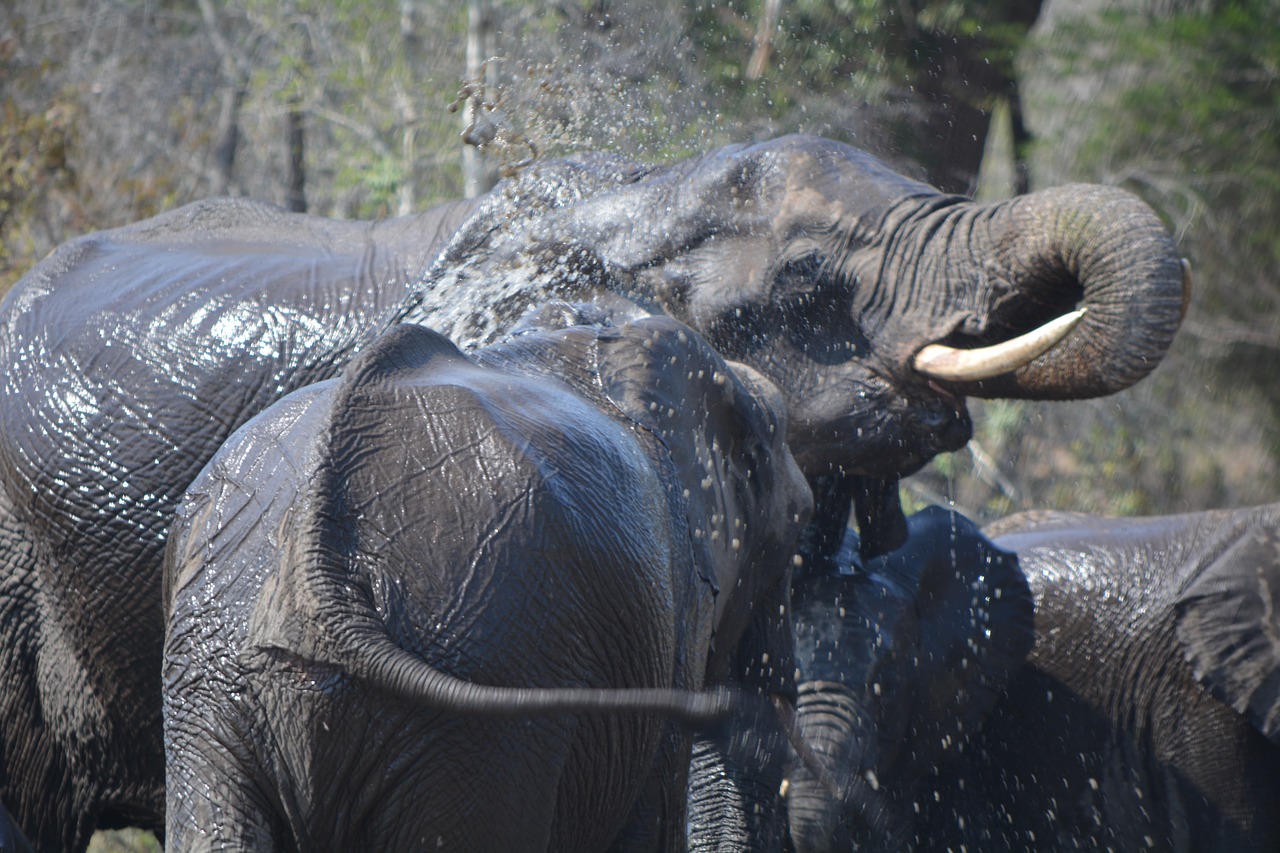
<point x="115" y="110"/>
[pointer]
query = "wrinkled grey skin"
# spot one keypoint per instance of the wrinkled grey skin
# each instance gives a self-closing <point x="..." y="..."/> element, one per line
<point x="899" y="661"/>
<point x="1147" y="714"/>
<point x="136" y="352"/>
<point x="383" y="588"/>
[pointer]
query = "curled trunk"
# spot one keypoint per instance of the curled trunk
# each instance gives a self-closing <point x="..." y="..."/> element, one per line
<point x="1043" y="255"/>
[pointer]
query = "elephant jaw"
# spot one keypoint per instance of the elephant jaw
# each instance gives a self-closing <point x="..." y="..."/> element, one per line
<point x="889" y="439"/>
<point x="895" y="434"/>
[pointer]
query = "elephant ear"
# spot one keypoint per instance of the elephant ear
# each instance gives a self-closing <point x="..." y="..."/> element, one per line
<point x="665" y="377"/>
<point x="1228" y="625"/>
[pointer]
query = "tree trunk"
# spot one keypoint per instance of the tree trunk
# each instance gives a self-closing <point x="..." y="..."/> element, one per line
<point x="295" y="194"/>
<point x="476" y="179"/>
<point x="764" y="39"/>
<point x="235" y="68"/>
<point x="224" y="153"/>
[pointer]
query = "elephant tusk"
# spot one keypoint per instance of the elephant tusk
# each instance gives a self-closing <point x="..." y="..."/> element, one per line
<point x="970" y="365"/>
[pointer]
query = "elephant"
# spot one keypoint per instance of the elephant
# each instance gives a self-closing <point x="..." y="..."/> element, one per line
<point x="1143" y="718"/>
<point x="1146" y="716"/>
<point x="485" y="566"/>
<point x="899" y="659"/>
<point x="875" y="303"/>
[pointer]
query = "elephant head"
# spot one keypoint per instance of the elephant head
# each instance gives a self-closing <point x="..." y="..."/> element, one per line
<point x="899" y="660"/>
<point x="839" y="280"/>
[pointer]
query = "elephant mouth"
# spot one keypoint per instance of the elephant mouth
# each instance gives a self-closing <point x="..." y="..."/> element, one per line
<point x="941" y="364"/>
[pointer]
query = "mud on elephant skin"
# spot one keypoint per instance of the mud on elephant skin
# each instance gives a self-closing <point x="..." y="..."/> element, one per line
<point x="136" y="352"/>
<point x="487" y="566"/>
<point x="1147" y="713"/>
<point x="899" y="661"/>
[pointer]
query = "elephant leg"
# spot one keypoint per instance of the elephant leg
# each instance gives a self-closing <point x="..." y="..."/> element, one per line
<point x="213" y="804"/>
<point x="36" y="783"/>
<point x="724" y="793"/>
<point x="76" y="753"/>
<point x="657" y="820"/>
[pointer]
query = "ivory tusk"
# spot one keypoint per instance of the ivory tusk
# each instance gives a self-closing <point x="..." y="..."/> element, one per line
<point x="969" y="365"/>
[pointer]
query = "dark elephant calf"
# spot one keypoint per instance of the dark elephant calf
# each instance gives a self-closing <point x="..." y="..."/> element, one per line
<point x="453" y="602"/>
<point x="1147" y="716"/>
<point x="900" y="659"/>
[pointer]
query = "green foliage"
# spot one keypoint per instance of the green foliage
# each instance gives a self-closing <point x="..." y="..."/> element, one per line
<point x="355" y="70"/>
<point x="1181" y="109"/>
<point x="124" y="841"/>
<point x="869" y="48"/>
<point x="1199" y="121"/>
<point x="34" y="164"/>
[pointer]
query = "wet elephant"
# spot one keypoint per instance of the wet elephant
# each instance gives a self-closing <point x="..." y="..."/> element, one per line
<point x="1147" y="715"/>
<point x="136" y="352"/>
<point x="1144" y="718"/>
<point x="488" y="568"/>
<point x="899" y="659"/>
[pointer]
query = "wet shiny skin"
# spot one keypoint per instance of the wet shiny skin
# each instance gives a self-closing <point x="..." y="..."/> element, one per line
<point x="542" y="522"/>
<point x="136" y="353"/>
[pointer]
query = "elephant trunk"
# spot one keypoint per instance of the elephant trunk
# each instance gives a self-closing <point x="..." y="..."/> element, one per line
<point x="835" y="726"/>
<point x="830" y="721"/>
<point x="1088" y="247"/>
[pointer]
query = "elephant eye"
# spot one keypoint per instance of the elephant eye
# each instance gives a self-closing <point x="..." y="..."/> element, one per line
<point x="809" y="306"/>
<point x="814" y="308"/>
<point x="798" y="276"/>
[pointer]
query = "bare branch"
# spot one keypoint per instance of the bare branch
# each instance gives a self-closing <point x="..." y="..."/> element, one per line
<point x="764" y="39"/>
<point x="365" y="131"/>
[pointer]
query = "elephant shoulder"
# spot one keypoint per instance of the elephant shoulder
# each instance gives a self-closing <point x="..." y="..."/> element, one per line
<point x="1228" y="622"/>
